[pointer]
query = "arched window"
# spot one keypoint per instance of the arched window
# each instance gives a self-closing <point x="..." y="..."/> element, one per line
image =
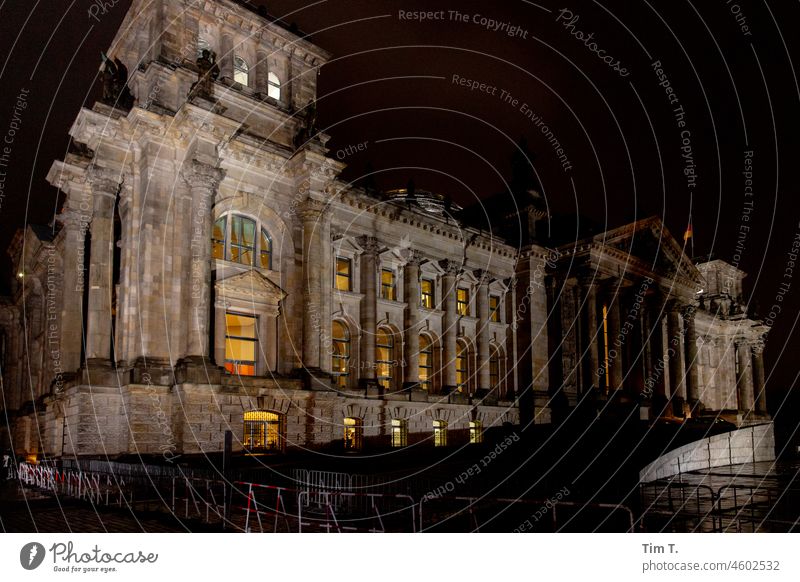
<point x="425" y="363"/>
<point x="263" y="430"/>
<point x="233" y="238"/>
<point x="384" y="357"/>
<point x="241" y="72"/>
<point x="462" y="372"/>
<point x="340" y="358"/>
<point x="273" y="86"/>
<point x="494" y="367"/>
<point x="439" y="433"/>
<point x="353" y="434"/>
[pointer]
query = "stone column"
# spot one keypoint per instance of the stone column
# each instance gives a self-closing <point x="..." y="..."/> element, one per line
<point x="98" y="323"/>
<point x="316" y="298"/>
<point x="675" y="351"/>
<point x="692" y="379"/>
<point x="261" y="71"/>
<point x="482" y="304"/>
<point x="203" y="180"/>
<point x="759" y="385"/>
<point x="225" y="58"/>
<point x="411" y="296"/>
<point x="614" y="352"/>
<point x="220" y="307"/>
<point x="450" y="331"/>
<point x="72" y="297"/>
<point x="744" y="377"/>
<point x="589" y="332"/>
<point x="369" y="309"/>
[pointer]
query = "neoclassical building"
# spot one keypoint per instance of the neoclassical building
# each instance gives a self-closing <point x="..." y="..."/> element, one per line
<point x="210" y="272"/>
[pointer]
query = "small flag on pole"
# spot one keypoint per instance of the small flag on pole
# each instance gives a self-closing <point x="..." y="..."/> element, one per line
<point x="688" y="234"/>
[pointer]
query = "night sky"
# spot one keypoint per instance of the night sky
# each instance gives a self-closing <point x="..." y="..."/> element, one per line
<point x="395" y="86"/>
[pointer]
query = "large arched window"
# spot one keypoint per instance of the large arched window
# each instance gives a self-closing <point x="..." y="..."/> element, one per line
<point x="384" y="357"/>
<point x="462" y="371"/>
<point x="425" y="363"/>
<point x="273" y="86"/>
<point x="241" y="72"/>
<point x="263" y="430"/>
<point x="233" y="237"/>
<point x="340" y="355"/>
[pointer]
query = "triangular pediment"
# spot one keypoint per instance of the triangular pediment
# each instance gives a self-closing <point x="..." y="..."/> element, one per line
<point x="250" y="285"/>
<point x="650" y="243"/>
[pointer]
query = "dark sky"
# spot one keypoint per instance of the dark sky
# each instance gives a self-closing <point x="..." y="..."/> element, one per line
<point x="392" y="79"/>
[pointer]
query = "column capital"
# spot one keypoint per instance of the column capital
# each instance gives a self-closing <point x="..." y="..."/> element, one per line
<point x="757" y="346"/>
<point x="369" y="244"/>
<point x="311" y="209"/>
<point x="450" y="267"/>
<point x="413" y="258"/>
<point x="103" y="181"/>
<point x="202" y="175"/>
<point x="483" y="276"/>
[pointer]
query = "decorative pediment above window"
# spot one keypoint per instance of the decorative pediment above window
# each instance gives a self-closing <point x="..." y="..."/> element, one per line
<point x="252" y="287"/>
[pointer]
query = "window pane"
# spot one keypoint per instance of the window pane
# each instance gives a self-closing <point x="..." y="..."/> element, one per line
<point x="240" y="325"/>
<point x="273" y="86"/>
<point x="494" y="304"/>
<point x="266" y="250"/>
<point x="387" y="284"/>
<point x="236" y="229"/>
<point x="248" y="233"/>
<point x="343" y="270"/>
<point x="426" y="291"/>
<point x="218" y="239"/>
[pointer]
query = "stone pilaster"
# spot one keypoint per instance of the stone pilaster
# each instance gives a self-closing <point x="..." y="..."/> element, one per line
<point x="614" y="353"/>
<point x="72" y="298"/>
<point x="411" y="296"/>
<point x="261" y="71"/>
<point x="450" y="331"/>
<point x="759" y="385"/>
<point x="692" y="378"/>
<point x="744" y="376"/>
<point x="203" y="181"/>
<point x="225" y="58"/>
<point x="316" y="297"/>
<point x="482" y="304"/>
<point x="589" y="332"/>
<point x="98" y="323"/>
<point x="675" y="352"/>
<point x="369" y="309"/>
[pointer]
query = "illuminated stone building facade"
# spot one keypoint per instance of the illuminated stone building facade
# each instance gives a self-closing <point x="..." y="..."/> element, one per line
<point x="210" y="271"/>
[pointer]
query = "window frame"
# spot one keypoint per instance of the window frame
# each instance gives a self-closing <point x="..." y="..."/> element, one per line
<point x="494" y="367"/>
<point x="462" y="354"/>
<point x="355" y="427"/>
<point x="427" y="384"/>
<point x="462" y="307"/>
<point x="278" y="425"/>
<point x="254" y="340"/>
<point x="387" y="380"/>
<point x="388" y="291"/>
<point x="348" y="275"/>
<point x="341" y="380"/>
<point x="427" y="300"/>
<point x="259" y="233"/>
<point x="475" y="432"/>
<point x="494" y="311"/>
<point x="273" y="84"/>
<point x="439" y="433"/>
<point x="399" y="437"/>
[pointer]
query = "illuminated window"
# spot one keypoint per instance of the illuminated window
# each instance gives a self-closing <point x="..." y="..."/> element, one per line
<point x="494" y="368"/>
<point x="388" y="288"/>
<point x="462" y="377"/>
<point x="233" y="237"/>
<point x="240" y="344"/>
<point x="494" y="306"/>
<point x="241" y="72"/>
<point x="425" y="362"/>
<point x="399" y="432"/>
<point x="462" y="301"/>
<point x="439" y="433"/>
<point x="243" y="240"/>
<point x="273" y="86"/>
<point x="384" y="357"/>
<point x="427" y="296"/>
<point x="353" y="434"/>
<point x="266" y="250"/>
<point x="263" y="430"/>
<point x="218" y="239"/>
<point x="340" y="359"/>
<point x="605" y="347"/>
<point x="475" y="432"/>
<point x="344" y="274"/>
